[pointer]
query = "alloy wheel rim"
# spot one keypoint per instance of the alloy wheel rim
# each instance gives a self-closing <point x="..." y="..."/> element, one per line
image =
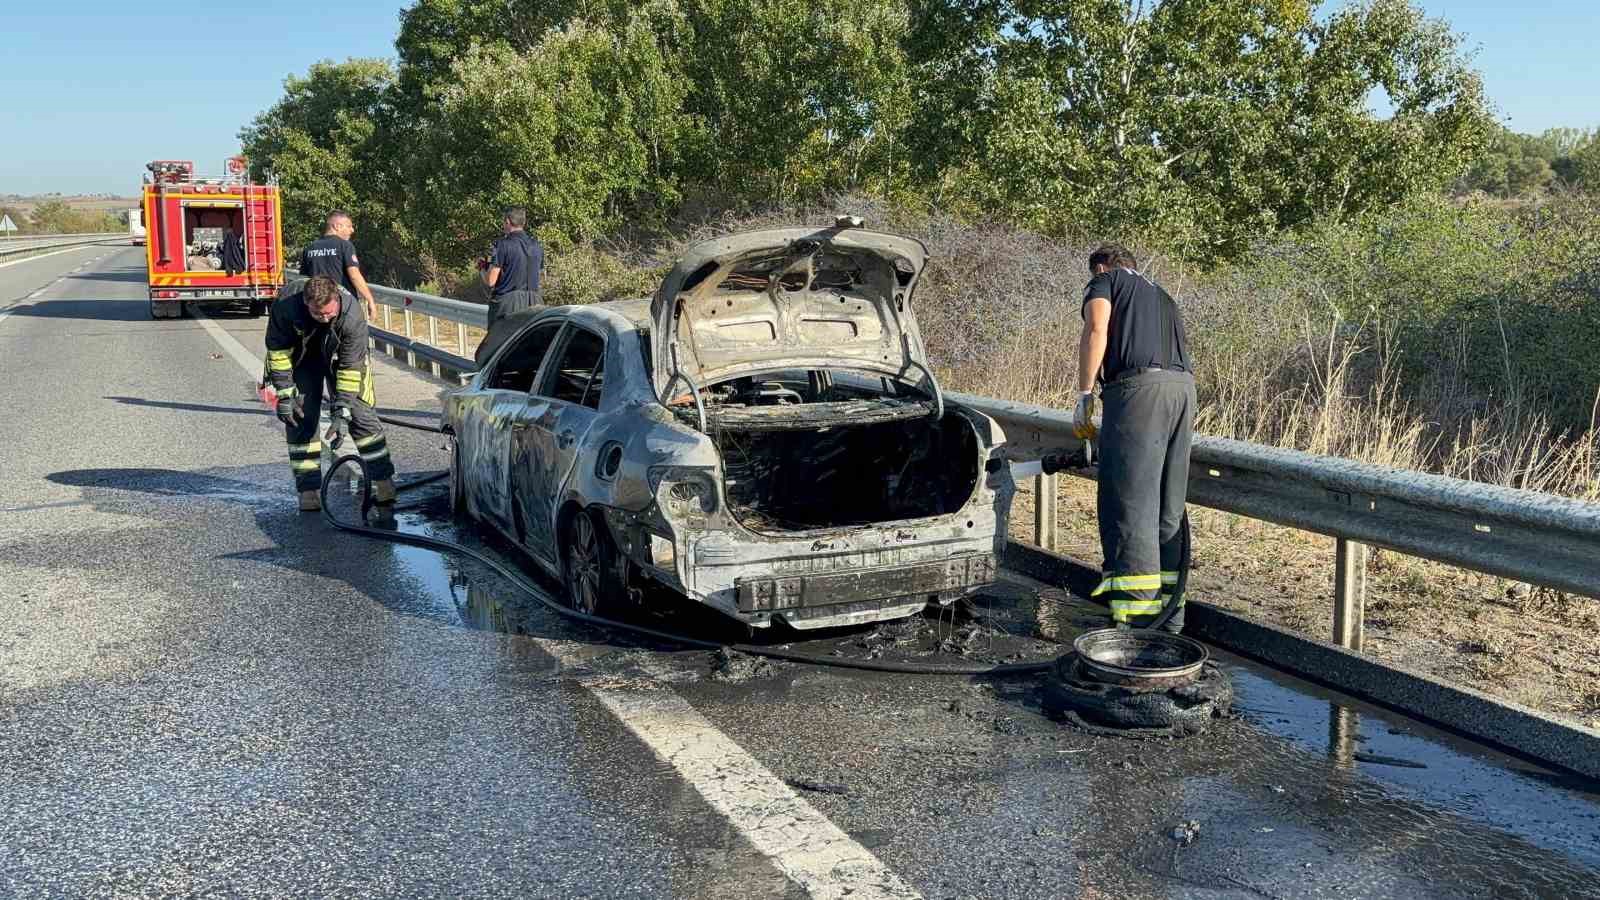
<point x="585" y="566"/>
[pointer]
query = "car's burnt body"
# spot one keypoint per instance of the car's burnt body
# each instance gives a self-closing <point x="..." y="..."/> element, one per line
<point x="763" y="436"/>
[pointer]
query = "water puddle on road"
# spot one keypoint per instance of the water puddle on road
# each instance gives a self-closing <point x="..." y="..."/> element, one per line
<point x="1409" y="760"/>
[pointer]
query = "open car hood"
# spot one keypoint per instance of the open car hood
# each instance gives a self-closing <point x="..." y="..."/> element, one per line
<point x="790" y="298"/>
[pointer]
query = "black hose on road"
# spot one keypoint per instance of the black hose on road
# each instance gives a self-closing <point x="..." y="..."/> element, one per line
<point x="522" y="581"/>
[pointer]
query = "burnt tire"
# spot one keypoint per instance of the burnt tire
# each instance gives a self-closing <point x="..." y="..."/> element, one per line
<point x="1123" y="712"/>
<point x="591" y="568"/>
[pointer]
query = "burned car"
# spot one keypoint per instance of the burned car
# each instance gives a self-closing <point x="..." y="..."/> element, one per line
<point x="763" y="436"/>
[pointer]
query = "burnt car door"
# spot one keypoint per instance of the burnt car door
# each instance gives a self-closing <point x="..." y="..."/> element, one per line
<point x="547" y="440"/>
<point x="487" y="419"/>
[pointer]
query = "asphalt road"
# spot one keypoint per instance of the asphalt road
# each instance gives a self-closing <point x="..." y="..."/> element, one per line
<point x="206" y="693"/>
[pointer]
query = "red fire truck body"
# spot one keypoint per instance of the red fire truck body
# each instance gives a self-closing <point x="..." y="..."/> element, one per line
<point x="211" y="241"/>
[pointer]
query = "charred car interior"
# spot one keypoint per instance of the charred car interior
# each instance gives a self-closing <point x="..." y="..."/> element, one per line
<point x="815" y="449"/>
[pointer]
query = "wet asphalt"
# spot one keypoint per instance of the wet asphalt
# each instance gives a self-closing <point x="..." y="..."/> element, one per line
<point x="206" y="693"/>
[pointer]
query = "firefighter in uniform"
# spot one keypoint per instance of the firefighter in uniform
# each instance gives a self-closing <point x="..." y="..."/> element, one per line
<point x="316" y="336"/>
<point x="1133" y="345"/>
<point x="334" y="256"/>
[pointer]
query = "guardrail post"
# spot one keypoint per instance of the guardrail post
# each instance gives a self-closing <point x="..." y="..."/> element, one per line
<point x="1044" y="511"/>
<point x="433" y="341"/>
<point x="411" y="355"/>
<point x="1349" y="593"/>
<point x="386" y="309"/>
<point x="461" y="339"/>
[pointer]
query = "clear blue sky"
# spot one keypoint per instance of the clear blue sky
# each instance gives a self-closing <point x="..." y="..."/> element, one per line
<point x="93" y="89"/>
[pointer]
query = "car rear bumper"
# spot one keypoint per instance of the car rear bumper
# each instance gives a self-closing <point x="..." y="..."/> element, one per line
<point x="777" y="594"/>
<point x="871" y="575"/>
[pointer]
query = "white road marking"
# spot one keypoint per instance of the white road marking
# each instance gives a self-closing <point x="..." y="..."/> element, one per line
<point x="812" y="851"/>
<point x="804" y="845"/>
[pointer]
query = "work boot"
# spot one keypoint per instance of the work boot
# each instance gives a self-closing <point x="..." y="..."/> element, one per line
<point x="310" y="501"/>
<point x="383" y="491"/>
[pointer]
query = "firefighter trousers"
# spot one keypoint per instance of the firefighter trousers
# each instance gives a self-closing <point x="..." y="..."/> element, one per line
<point x="1146" y="427"/>
<point x="312" y="379"/>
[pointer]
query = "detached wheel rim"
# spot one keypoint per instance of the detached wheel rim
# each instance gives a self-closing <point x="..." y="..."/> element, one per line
<point x="583" y="566"/>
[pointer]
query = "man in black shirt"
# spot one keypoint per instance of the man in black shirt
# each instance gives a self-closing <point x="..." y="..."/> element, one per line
<point x="512" y="275"/>
<point x="333" y="256"/>
<point x="515" y="268"/>
<point x="1133" y="345"/>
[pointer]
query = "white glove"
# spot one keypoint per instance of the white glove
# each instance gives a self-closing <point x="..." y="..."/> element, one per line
<point x="1083" y="417"/>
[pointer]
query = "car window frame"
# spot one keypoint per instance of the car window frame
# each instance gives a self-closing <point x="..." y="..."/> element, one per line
<point x="547" y="371"/>
<point x="493" y="373"/>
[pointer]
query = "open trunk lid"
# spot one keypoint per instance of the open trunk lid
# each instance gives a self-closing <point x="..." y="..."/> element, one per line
<point x="790" y="298"/>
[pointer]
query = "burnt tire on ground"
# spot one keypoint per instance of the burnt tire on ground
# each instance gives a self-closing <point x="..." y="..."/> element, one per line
<point x="1109" y="709"/>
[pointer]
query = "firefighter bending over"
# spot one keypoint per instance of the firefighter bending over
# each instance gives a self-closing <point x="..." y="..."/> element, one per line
<point x="1133" y="345"/>
<point x="316" y="336"/>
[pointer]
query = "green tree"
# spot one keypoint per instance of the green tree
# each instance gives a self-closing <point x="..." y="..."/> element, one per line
<point x="435" y="34"/>
<point x="799" y="97"/>
<point x="581" y="130"/>
<point x="1511" y="165"/>
<point x="51" y="217"/>
<point x="323" y="143"/>
<point x="1585" y="167"/>
<point x="1202" y="124"/>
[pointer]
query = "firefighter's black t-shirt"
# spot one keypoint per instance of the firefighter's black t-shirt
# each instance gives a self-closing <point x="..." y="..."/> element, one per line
<point x="1146" y="329"/>
<point x="330" y="256"/>
<point x="520" y="257"/>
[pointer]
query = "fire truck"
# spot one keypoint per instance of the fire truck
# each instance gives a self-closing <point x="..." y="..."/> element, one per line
<point x="210" y="241"/>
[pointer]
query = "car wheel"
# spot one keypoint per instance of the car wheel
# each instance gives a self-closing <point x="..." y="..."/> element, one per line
<point x="258" y="308"/>
<point x="593" y="575"/>
<point x="458" y="490"/>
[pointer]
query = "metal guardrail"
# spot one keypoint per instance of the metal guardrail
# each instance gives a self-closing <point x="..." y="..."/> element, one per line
<point x="1537" y="538"/>
<point x="16" y="248"/>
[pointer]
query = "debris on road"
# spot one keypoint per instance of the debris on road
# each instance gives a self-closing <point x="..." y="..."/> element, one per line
<point x="1186" y="833"/>
<point x="1378" y="760"/>
<point x="816" y="787"/>
<point x="734" y="667"/>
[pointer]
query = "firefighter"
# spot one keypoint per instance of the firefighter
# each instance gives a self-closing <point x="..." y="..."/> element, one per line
<point x="316" y="336"/>
<point x="333" y="256"/>
<point x="1133" y="346"/>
